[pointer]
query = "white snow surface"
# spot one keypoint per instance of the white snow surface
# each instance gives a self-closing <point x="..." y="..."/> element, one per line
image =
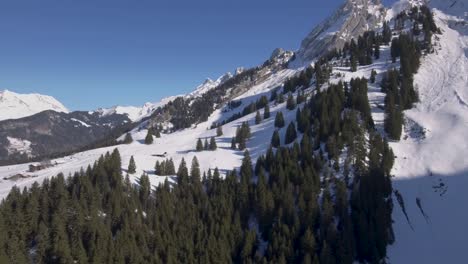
<point x="178" y="145"/>
<point x="17" y="145"/>
<point x="209" y="84"/>
<point x="434" y="168"/>
<point x="137" y="113"/>
<point x="14" y="105"/>
<point x="431" y="165"/>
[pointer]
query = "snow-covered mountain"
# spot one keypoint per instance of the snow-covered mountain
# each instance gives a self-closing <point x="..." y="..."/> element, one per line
<point x="430" y="170"/>
<point x="137" y="113"/>
<point x="351" y="20"/>
<point x="14" y="105"/>
<point x="209" y="84"/>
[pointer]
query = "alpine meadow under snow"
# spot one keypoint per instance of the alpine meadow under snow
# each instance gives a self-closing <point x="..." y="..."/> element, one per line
<point x="429" y="176"/>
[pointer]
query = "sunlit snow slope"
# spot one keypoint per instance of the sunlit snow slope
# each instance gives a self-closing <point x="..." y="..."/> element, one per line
<point x="14" y="105"/>
<point x="432" y="158"/>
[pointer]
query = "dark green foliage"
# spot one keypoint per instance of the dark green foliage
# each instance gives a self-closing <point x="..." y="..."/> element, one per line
<point x="258" y="118"/>
<point x="113" y="221"/>
<point x="372" y="77"/>
<point x="233" y="143"/>
<point x="149" y="137"/>
<point x="393" y="117"/>
<point x="128" y="139"/>
<point x="275" y="139"/>
<point x="206" y="146"/>
<point x="359" y="101"/>
<point x="251" y="108"/>
<point x="302" y="209"/>
<point x="291" y="102"/>
<point x="372" y="225"/>
<point x="280" y="99"/>
<point x="132" y="166"/>
<point x="386" y="33"/>
<point x="291" y="133"/>
<point x="165" y="168"/>
<point x="279" y="120"/>
<point x="185" y="112"/>
<point x="301" y="80"/>
<point x="242" y="135"/>
<point x="157" y="133"/>
<point x="199" y="146"/>
<point x="266" y="112"/>
<point x="219" y="131"/>
<point x="213" y="145"/>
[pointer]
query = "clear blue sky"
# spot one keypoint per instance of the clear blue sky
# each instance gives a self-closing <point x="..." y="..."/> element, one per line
<point x="99" y="53"/>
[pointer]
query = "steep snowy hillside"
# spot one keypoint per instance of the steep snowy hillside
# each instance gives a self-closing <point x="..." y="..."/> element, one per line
<point x="135" y="113"/>
<point x="176" y="145"/>
<point x="430" y="173"/>
<point x="351" y="20"/>
<point x="209" y="84"/>
<point x="431" y="170"/>
<point x="14" y="105"/>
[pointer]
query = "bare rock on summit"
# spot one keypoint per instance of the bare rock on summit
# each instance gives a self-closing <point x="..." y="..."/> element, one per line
<point x="352" y="19"/>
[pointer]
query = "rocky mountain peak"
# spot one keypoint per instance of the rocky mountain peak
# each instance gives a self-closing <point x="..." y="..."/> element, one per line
<point x="350" y="20"/>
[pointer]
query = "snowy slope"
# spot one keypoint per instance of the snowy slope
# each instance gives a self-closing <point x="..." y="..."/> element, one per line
<point x="209" y="84"/>
<point x="432" y="167"/>
<point x="178" y="145"/>
<point x="14" y="105"/>
<point x="136" y="113"/>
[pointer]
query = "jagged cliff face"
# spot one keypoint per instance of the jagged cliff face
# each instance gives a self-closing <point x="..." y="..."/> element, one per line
<point x="352" y="19"/>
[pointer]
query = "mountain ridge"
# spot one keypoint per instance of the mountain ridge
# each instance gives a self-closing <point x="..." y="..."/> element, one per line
<point x="14" y="105"/>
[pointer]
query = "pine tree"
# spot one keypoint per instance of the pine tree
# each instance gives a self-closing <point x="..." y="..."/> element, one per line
<point x="170" y="169"/>
<point x="275" y="139"/>
<point x="128" y="139"/>
<point x="291" y="133"/>
<point x="219" y="131"/>
<point x="195" y="170"/>
<point x="206" y="146"/>
<point x="233" y="143"/>
<point x="266" y="112"/>
<point x="157" y="133"/>
<point x="149" y="138"/>
<point x="372" y="77"/>
<point x="182" y="173"/>
<point x="279" y="120"/>
<point x="354" y="63"/>
<point x="291" y="102"/>
<point x="213" y="145"/>
<point x="199" y="146"/>
<point x="386" y="33"/>
<point x="132" y="166"/>
<point x="258" y="118"/>
<point x="376" y="51"/>
<point x="280" y="98"/>
<point x="393" y="121"/>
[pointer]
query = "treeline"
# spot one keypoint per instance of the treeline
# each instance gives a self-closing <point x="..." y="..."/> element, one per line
<point x="292" y="207"/>
<point x="165" y="168"/>
<point x="398" y="84"/>
<point x="260" y="103"/>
